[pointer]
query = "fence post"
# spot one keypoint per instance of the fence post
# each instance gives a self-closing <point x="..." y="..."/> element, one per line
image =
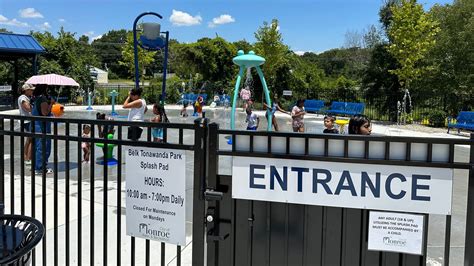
<point x="2" y="168"/>
<point x="212" y="227"/>
<point x="469" y="244"/>
<point x="200" y="135"/>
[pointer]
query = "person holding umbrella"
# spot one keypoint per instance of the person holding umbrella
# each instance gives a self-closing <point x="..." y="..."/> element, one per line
<point x="42" y="107"/>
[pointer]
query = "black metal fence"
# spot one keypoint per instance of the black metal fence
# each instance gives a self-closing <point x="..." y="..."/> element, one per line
<point x="247" y="232"/>
<point x="383" y="107"/>
<point x="82" y="204"/>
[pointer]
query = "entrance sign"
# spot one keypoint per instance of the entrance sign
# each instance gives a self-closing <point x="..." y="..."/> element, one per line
<point x="155" y="194"/>
<point x="348" y="185"/>
<point x="396" y="232"/>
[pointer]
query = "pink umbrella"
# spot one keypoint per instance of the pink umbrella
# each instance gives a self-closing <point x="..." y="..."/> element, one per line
<point x="52" y="79"/>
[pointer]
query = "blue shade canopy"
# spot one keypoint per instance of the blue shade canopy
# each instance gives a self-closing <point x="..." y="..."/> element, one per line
<point x="19" y="44"/>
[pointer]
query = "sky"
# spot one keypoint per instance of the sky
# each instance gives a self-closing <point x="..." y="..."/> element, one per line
<point x="305" y="25"/>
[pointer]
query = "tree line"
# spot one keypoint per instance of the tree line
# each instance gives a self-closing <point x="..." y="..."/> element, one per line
<point x="430" y="53"/>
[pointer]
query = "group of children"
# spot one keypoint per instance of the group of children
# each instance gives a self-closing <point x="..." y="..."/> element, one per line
<point x="358" y="125"/>
<point x="197" y="106"/>
<point x="105" y="130"/>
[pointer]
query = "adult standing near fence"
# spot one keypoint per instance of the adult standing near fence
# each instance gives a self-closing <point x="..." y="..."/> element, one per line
<point x="42" y="107"/>
<point x="297" y="114"/>
<point x="137" y="107"/>
<point x="360" y="125"/>
<point x="25" y="106"/>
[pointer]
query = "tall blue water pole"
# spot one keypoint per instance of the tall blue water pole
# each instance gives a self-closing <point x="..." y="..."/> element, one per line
<point x="135" y="45"/>
<point x="165" y="67"/>
<point x="235" y="97"/>
<point x="267" y="97"/>
<point x="247" y="61"/>
<point x="89" y="101"/>
<point x="114" y="94"/>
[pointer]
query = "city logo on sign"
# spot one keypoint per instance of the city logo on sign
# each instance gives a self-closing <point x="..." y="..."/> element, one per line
<point x="394" y="242"/>
<point x="154" y="233"/>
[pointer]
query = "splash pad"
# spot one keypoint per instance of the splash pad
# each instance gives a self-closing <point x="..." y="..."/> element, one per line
<point x="247" y="61"/>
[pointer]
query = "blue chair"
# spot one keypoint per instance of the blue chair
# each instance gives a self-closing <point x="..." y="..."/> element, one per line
<point x="337" y="108"/>
<point x="346" y="108"/>
<point x="313" y="106"/>
<point x="465" y="120"/>
<point x="354" y="108"/>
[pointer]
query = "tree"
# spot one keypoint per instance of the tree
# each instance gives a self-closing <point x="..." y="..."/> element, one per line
<point x="243" y="45"/>
<point x="145" y="58"/>
<point x="108" y="49"/>
<point x="372" y="37"/>
<point x="412" y="34"/>
<point x="386" y="14"/>
<point x="452" y="57"/>
<point x="66" y="55"/>
<point x="270" y="46"/>
<point x="353" y="38"/>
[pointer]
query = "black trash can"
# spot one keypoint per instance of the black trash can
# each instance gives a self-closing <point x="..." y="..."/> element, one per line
<point x="18" y="236"/>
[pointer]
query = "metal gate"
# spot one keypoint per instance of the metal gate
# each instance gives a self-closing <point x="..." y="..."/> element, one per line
<point x="82" y="205"/>
<point x="246" y="232"/>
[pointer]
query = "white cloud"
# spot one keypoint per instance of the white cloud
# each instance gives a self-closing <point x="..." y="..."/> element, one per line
<point x="30" y="13"/>
<point x="96" y="37"/>
<point x="300" y="53"/>
<point x="92" y="36"/>
<point x="45" y="26"/>
<point x="220" y="20"/>
<point x="61" y="20"/>
<point x="13" y="22"/>
<point x="179" y="18"/>
<point x="89" y="33"/>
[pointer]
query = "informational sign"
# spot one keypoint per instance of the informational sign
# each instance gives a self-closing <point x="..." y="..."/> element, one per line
<point x="287" y="93"/>
<point x="155" y="194"/>
<point x="396" y="232"/>
<point x="5" y="88"/>
<point x="349" y="185"/>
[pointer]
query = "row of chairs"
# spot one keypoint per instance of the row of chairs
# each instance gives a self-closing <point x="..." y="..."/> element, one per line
<point x="465" y="120"/>
<point x="336" y="108"/>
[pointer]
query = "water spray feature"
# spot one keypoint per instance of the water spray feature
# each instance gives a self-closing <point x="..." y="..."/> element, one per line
<point x="89" y="100"/>
<point x="402" y="111"/>
<point x="113" y="94"/>
<point x="246" y="62"/>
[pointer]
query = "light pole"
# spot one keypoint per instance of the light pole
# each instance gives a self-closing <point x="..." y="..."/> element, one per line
<point x="151" y="40"/>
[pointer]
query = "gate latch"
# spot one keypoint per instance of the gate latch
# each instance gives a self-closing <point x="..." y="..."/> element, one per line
<point x="211" y="195"/>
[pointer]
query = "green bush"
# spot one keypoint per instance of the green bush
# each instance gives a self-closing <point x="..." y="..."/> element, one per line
<point x="437" y="118"/>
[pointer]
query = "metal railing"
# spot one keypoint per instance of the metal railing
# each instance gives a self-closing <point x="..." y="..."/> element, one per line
<point x="264" y="233"/>
<point x="80" y="204"/>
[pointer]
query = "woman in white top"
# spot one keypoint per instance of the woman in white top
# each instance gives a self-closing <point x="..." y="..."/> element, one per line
<point x="137" y="112"/>
<point x="24" y="105"/>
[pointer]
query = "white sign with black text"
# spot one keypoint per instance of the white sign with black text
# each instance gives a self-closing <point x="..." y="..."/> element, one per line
<point x="347" y="185"/>
<point x="155" y="194"/>
<point x="396" y="232"/>
<point x="6" y="88"/>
